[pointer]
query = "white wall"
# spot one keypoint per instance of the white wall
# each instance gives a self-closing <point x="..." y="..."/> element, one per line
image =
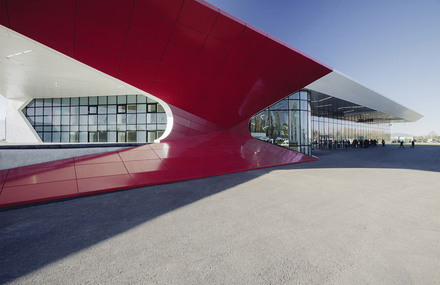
<point x="18" y="129"/>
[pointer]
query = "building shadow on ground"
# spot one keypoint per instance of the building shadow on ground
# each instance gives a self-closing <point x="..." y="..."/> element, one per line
<point x="35" y="236"/>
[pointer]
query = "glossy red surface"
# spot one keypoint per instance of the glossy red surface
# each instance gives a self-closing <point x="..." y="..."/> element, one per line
<point x="177" y="160"/>
<point x="213" y="69"/>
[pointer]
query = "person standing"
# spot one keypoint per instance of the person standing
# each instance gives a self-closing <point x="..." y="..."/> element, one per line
<point x="412" y="143"/>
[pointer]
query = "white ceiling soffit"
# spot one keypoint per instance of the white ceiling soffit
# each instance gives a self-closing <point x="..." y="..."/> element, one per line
<point x="337" y="85"/>
<point x="29" y="69"/>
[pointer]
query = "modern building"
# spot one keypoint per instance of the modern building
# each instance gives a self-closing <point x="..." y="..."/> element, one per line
<point x="190" y="79"/>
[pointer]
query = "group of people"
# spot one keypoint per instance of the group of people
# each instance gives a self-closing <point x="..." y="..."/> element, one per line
<point x="412" y="144"/>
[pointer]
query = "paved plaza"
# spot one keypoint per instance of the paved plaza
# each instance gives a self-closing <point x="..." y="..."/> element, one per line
<point x="356" y="216"/>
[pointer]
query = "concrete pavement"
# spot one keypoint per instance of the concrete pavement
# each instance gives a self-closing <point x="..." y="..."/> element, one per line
<point x="368" y="216"/>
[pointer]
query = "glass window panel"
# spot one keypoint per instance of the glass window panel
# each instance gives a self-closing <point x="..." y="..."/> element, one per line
<point x="304" y="105"/>
<point x="102" y="127"/>
<point x="65" y="101"/>
<point x="131" y="108"/>
<point x="83" y="128"/>
<point x="93" y="136"/>
<point x="151" y="118"/>
<point x="48" y="111"/>
<point x="111" y="100"/>
<point x="39" y="128"/>
<point x="40" y="134"/>
<point x="131" y="119"/>
<point x="102" y="136"/>
<point x="47" y="137"/>
<point x="74" y="136"/>
<point x="83" y="120"/>
<point x="93" y="119"/>
<point x="65" y="120"/>
<point x="122" y="119"/>
<point x="304" y="128"/>
<point x="131" y="136"/>
<point x="141" y="99"/>
<point x="161" y="127"/>
<point x="151" y="136"/>
<point x="293" y="104"/>
<point x="122" y="99"/>
<point x="152" y="127"/>
<point x="294" y="96"/>
<point x="47" y="102"/>
<point x="121" y="136"/>
<point x="151" y="108"/>
<point x="111" y="109"/>
<point x="281" y="105"/>
<point x="141" y="119"/>
<point x="93" y="128"/>
<point x="74" y="128"/>
<point x="74" y="120"/>
<point x="39" y="111"/>
<point x="30" y="111"/>
<point x="74" y="101"/>
<point x="65" y="110"/>
<point x="93" y="100"/>
<point x="161" y="118"/>
<point x="102" y="119"/>
<point x="93" y="109"/>
<point x="39" y="102"/>
<point x="131" y="99"/>
<point x="141" y="108"/>
<point x="47" y="128"/>
<point x="84" y="101"/>
<point x="122" y="109"/>
<point x="39" y="120"/>
<point x="65" y="137"/>
<point x="31" y="103"/>
<point x="141" y="136"/>
<point x="159" y="133"/>
<point x="64" y="128"/>
<point x="160" y="108"/>
<point x="111" y="127"/>
<point x="141" y="127"/>
<point x="102" y="109"/>
<point x="304" y="95"/>
<point x="83" y="136"/>
<point x="84" y="110"/>
<point x="112" y="119"/>
<point x="56" y="111"/>
<point x="131" y="127"/>
<point x="102" y="100"/>
<point x="121" y="127"/>
<point x="111" y="136"/>
<point x="149" y="100"/>
<point x="56" y="102"/>
<point x="56" y="137"/>
<point x="74" y="110"/>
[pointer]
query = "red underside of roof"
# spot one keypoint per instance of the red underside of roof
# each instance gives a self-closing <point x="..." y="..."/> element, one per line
<point x="213" y="69"/>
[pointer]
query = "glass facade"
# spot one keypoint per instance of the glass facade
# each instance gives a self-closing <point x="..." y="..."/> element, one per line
<point x="286" y="123"/>
<point x="297" y="124"/>
<point x="122" y="118"/>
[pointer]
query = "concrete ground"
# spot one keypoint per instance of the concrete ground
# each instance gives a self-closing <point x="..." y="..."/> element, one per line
<point x="357" y="216"/>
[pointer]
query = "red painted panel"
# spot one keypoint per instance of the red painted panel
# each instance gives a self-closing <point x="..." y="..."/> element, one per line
<point x="178" y="57"/>
<point x="99" y="36"/>
<point x="3" y="14"/>
<point x="37" y="192"/>
<point x="134" y="154"/>
<point x="113" y="13"/>
<point x="149" y="25"/>
<point x="3" y="175"/>
<point x="104" y="183"/>
<point x="98" y="58"/>
<point x="143" y="48"/>
<point x="135" y="67"/>
<point x="102" y="169"/>
<point x="169" y="9"/>
<point x="226" y="29"/>
<point x="197" y="16"/>
<point x="34" y="175"/>
<point x="98" y="158"/>
<point x="186" y="38"/>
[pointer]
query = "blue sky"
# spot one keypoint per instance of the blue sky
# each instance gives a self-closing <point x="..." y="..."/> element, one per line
<point x="390" y="46"/>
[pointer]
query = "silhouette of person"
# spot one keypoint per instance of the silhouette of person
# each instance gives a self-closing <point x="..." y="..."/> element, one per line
<point x="412" y="144"/>
<point x="383" y="142"/>
<point x="401" y="144"/>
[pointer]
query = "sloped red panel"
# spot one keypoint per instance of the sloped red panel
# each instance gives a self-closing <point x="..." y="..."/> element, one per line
<point x="213" y="69"/>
